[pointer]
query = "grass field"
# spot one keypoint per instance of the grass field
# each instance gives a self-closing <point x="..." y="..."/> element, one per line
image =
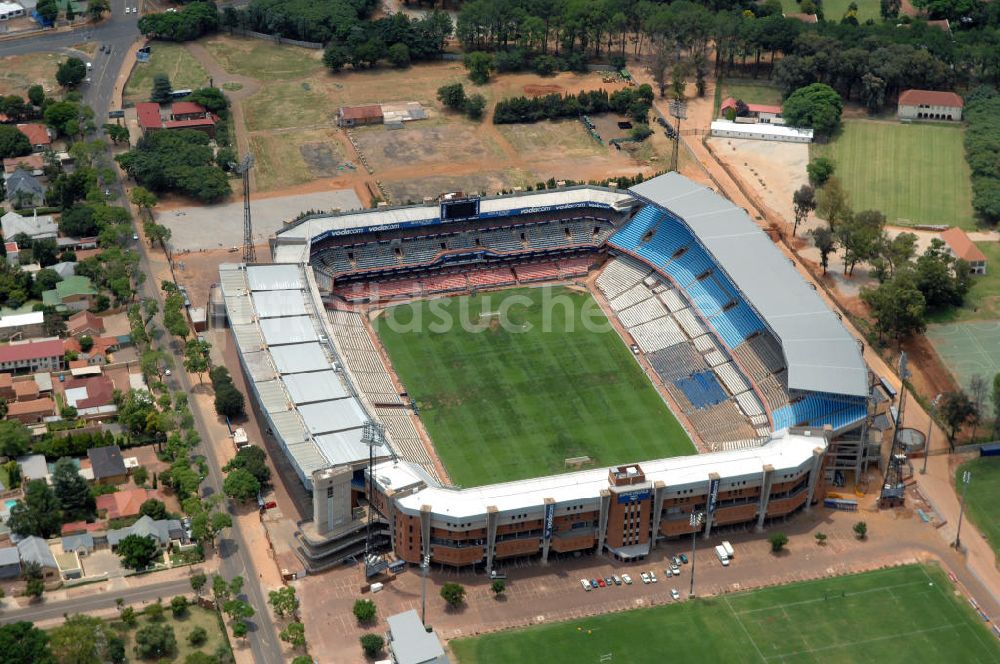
<point x="983" y="300"/>
<point x="913" y="173"/>
<point x="834" y="10"/>
<point x="982" y="502"/>
<point x="289" y="105"/>
<point x="196" y="617"/>
<point x="903" y="614"/>
<point x="175" y="61"/>
<point x="263" y="60"/>
<point x="752" y="92"/>
<point x="20" y="72"/>
<point x="281" y="161"/>
<point x="514" y="400"/>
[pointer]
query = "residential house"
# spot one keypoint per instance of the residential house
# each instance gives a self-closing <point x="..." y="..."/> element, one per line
<point x="10" y="11"/>
<point x="82" y="543"/>
<point x="36" y="550"/>
<point x="10" y="563"/>
<point x="929" y="105"/>
<point x="34" y="467"/>
<point x="75" y="294"/>
<point x="108" y="465"/>
<point x="33" y="163"/>
<point x="38" y="135"/>
<point x="21" y="326"/>
<point x="960" y="246"/>
<point x="125" y="503"/>
<point x="410" y="643"/>
<point x="24" y="190"/>
<point x="764" y="113"/>
<point x="356" y="116"/>
<point x="7" y="387"/>
<point x="31" y="412"/>
<point x="161" y="531"/>
<point x="92" y="397"/>
<point x="32" y="356"/>
<point x="179" y="115"/>
<point x="13" y="253"/>
<point x="25" y="390"/>
<point x="64" y="269"/>
<point x="85" y="323"/>
<point x="36" y="226"/>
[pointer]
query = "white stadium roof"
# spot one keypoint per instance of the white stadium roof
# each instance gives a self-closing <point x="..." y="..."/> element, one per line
<point x="822" y="355"/>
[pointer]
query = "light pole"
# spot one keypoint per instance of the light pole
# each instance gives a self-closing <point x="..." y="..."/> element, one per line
<point x="930" y="428"/>
<point x="966" y="480"/>
<point x="424" y="564"/>
<point x="695" y="521"/>
<point x="678" y="110"/>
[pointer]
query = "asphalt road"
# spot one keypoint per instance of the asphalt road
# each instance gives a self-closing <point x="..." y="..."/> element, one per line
<point x="48" y="610"/>
<point x="117" y="30"/>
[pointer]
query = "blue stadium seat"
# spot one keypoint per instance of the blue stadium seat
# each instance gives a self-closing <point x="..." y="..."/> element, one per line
<point x="818" y="409"/>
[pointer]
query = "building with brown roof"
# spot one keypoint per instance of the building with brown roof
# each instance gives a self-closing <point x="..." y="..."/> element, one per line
<point x="960" y="246"/>
<point x="31" y="412"/>
<point x="84" y="322"/>
<point x="6" y="387"/>
<point x="33" y="163"/>
<point x="125" y="503"/>
<point x="180" y="115"/>
<point x="766" y="113"/>
<point x="356" y="116"/>
<point x="38" y="135"/>
<point x="32" y="357"/>
<point x="929" y="105"/>
<point x="25" y="390"/>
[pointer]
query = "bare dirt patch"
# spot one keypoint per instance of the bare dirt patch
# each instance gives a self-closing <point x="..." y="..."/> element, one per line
<point x="423" y="143"/>
<point x="415" y="189"/>
<point x="539" y="90"/>
<point x="321" y="158"/>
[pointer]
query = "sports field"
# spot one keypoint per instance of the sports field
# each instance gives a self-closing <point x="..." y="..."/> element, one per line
<point x="904" y="614"/>
<point x="914" y="173"/>
<point x="531" y="388"/>
<point x="983" y="497"/>
<point x="968" y="349"/>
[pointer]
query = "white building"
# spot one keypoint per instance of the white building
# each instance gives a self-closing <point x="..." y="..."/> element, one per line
<point x="929" y="105"/>
<point x="761" y="132"/>
<point x="10" y="10"/>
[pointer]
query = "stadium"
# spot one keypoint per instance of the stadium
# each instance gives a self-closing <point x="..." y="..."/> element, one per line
<point x="722" y="383"/>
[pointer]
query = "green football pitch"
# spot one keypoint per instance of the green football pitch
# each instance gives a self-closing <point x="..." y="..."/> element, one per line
<point x="532" y="377"/>
<point x="913" y="173"/>
<point x="983" y="496"/>
<point x="900" y="615"/>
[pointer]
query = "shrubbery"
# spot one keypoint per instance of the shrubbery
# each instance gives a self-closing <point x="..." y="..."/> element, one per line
<point x="178" y="161"/>
<point x="634" y="102"/>
<point x="189" y="22"/>
<point x="982" y="150"/>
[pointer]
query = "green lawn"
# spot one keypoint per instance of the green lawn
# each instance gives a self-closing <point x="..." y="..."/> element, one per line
<point x="175" y="61"/>
<point x="752" y="92"/>
<point x="982" y="502"/>
<point x="514" y="400"/>
<point x="263" y="60"/>
<point x="914" y="173"/>
<point x="904" y="614"/>
<point x="196" y="617"/>
<point x="834" y="10"/>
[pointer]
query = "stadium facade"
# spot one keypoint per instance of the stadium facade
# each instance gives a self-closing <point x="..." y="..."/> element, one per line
<point x="765" y="373"/>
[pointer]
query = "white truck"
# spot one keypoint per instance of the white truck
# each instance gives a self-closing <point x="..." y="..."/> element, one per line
<point x="729" y="549"/>
<point x="723" y="556"/>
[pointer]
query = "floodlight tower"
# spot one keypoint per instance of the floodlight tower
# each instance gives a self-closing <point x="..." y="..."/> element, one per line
<point x="372" y="435"/>
<point x="678" y="110"/>
<point x="243" y="168"/>
<point x="892" y="483"/>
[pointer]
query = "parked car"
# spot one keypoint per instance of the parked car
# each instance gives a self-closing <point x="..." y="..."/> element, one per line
<point x="645" y="577"/>
<point x="585" y="584"/>
<point x="652" y="576"/>
<point x="627" y="579"/>
<point x="668" y="572"/>
<point x="616" y="579"/>
<point x="675" y="560"/>
<point x="676" y="570"/>
<point x="600" y="583"/>
<point x="684" y="559"/>
<point x="608" y="581"/>
<point x="593" y="583"/>
<point x="674" y="594"/>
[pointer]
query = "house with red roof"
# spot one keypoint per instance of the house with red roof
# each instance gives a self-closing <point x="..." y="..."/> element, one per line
<point x="179" y="115"/>
<point x="961" y="246"/>
<point x="765" y="113"/>
<point x="125" y="503"/>
<point x="38" y="135"/>
<point x="32" y="357"/>
<point x="929" y="105"/>
<point x="84" y="322"/>
<point x="31" y="412"/>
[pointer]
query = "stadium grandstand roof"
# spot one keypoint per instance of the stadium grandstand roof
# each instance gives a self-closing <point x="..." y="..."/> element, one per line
<point x="822" y="355"/>
<point x="524" y="203"/>
<point x="784" y="450"/>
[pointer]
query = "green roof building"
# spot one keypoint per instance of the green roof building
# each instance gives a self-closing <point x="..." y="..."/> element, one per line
<point x="74" y="293"/>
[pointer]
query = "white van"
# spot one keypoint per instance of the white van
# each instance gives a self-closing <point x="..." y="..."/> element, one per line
<point x="729" y="549"/>
<point x="723" y="556"/>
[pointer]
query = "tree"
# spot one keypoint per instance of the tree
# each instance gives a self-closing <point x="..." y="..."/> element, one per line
<point x="453" y="594"/>
<point x="860" y="237"/>
<point x="197" y="636"/>
<point x="499" y="586"/>
<point x="241" y="485"/>
<point x="220" y="588"/>
<point x="178" y="606"/>
<point x="803" y="202"/>
<point x="196" y="357"/>
<point x="943" y="280"/>
<point x="240" y="629"/>
<point x="820" y="538"/>
<point x="399" y="56"/>
<point x="816" y="105"/>
<point x="294" y="634"/>
<point x="303" y="659"/>
<point x="335" y="57"/>
<point x="229" y="401"/>
<point x="252" y="459"/>
<point x="116" y="650"/>
<point x="155" y="641"/>
<point x="956" y="410"/>
<point x="283" y="601"/>
<point x="12" y="142"/>
<point x="977" y="394"/>
<point x="861" y="530"/>
<point x="144" y="199"/>
<point x="825" y="241"/>
<point x="238" y="610"/>
<point x="137" y="551"/>
<point x="897" y="305"/>
<point x="372" y="644"/>
<point x="198" y="581"/>
<point x="81" y="639"/>
<point x="155" y="611"/>
<point x="48" y="10"/>
<point x="154" y="509"/>
<point x="15" y="438"/>
<point x="72" y="491"/>
<point x="97" y="8"/>
<point x="479" y="65"/>
<point x="36" y="95"/>
<point x="474" y="106"/>
<point x="452" y="96"/>
<point x="364" y="610"/>
<point x="778" y="542"/>
<point x="38" y="514"/>
<point x="70" y="72"/>
<point x="833" y="202"/>
<point x="162" y="92"/>
<point x="23" y="642"/>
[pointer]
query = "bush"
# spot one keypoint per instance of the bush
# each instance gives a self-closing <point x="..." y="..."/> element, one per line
<point x="372" y="644"/>
<point x="861" y="530"/>
<point x="474" y="106"/>
<point x="198" y="636"/>
<point x="545" y="65"/>
<point x="819" y="171"/>
<point x="778" y="542"/>
<point x="453" y="594"/>
<point x="364" y="610"/>
<point x="641" y="132"/>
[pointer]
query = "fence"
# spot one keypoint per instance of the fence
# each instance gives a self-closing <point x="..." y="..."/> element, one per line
<point x="242" y="32"/>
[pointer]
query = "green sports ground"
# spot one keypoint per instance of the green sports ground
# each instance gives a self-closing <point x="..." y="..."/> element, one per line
<point x="543" y="377"/>
<point x="899" y="615"/>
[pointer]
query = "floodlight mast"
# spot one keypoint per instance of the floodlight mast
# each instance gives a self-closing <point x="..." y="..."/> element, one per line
<point x="243" y="169"/>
